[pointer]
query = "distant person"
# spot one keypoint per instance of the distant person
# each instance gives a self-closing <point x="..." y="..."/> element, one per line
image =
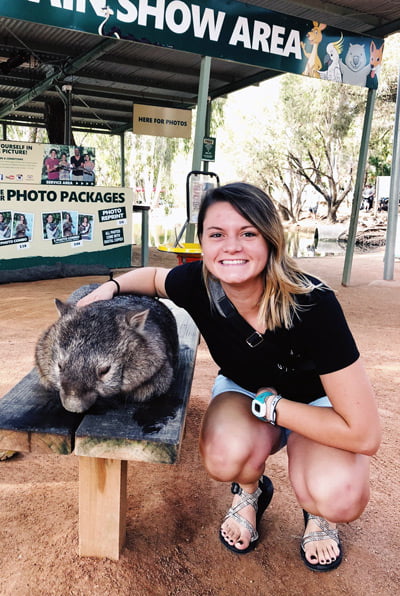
<point x="51" y="164"/>
<point x="77" y="162"/>
<point x="368" y="195"/>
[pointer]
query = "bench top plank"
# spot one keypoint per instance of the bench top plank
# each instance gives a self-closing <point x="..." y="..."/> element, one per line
<point x="33" y="419"/>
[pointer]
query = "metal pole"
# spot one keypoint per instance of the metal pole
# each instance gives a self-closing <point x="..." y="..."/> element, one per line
<point x="393" y="206"/>
<point x="202" y="100"/>
<point x="122" y="150"/>
<point x="202" y="103"/>
<point x="362" y="160"/>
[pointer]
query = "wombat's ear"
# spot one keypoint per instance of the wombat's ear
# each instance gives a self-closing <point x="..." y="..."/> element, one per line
<point x="63" y="307"/>
<point x="136" y="320"/>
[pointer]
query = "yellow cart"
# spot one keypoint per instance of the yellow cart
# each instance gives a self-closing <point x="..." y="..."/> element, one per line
<point x="197" y="182"/>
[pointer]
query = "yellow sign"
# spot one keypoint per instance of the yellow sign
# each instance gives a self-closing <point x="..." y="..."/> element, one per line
<point x="162" y="122"/>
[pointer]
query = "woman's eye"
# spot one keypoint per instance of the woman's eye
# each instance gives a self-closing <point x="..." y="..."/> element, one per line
<point x="216" y="235"/>
<point x="249" y="234"/>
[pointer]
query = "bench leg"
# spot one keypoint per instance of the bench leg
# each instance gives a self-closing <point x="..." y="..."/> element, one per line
<point x="102" y="507"/>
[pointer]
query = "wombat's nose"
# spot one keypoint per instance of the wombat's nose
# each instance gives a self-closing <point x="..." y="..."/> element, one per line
<point x="77" y="404"/>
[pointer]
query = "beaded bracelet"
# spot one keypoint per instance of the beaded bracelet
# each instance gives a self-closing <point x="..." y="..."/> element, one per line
<point x="116" y="283"/>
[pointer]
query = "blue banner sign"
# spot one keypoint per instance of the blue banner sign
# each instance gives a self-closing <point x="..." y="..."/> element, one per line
<point x="218" y="28"/>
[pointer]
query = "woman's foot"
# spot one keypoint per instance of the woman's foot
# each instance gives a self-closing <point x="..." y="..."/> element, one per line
<point x="239" y="530"/>
<point x="320" y="547"/>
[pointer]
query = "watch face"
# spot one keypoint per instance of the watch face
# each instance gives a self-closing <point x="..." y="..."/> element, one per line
<point x="258" y="408"/>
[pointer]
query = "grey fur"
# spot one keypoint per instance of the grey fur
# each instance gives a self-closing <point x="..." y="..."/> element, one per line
<point x="127" y="345"/>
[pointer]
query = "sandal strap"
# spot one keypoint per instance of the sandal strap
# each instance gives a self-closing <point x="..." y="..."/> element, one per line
<point x="246" y="499"/>
<point x="324" y="533"/>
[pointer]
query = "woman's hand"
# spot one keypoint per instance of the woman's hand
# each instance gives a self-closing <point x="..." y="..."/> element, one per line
<point x="104" y="292"/>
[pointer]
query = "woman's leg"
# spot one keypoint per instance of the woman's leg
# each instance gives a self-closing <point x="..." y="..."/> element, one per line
<point x="330" y="483"/>
<point x="234" y="446"/>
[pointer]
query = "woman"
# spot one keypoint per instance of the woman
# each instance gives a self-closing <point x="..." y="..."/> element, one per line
<point x="21" y="228"/>
<point x="4" y="227"/>
<point x="290" y="373"/>
<point x="68" y="225"/>
<point x="85" y="228"/>
<point x="64" y="168"/>
<point x="88" y="168"/>
<point x="52" y="230"/>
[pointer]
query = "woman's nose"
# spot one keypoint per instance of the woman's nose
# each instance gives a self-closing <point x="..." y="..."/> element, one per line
<point x="232" y="244"/>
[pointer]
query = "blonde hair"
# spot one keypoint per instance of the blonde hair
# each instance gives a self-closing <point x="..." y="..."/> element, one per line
<point x="283" y="278"/>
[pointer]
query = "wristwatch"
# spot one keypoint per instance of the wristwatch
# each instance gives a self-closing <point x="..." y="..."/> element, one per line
<point x="264" y="410"/>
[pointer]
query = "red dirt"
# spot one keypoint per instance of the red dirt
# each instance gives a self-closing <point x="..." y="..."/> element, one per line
<point x="174" y="511"/>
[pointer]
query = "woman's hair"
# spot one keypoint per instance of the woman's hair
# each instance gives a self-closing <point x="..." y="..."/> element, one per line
<point x="283" y="279"/>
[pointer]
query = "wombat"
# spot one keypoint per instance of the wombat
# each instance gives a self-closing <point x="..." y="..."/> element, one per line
<point x="127" y="345"/>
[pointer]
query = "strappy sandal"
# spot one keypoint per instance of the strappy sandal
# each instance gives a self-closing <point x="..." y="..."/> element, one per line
<point x="324" y="533"/>
<point x="259" y="500"/>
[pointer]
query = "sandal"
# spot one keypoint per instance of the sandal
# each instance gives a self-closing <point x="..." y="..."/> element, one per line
<point x="324" y="533"/>
<point x="260" y="500"/>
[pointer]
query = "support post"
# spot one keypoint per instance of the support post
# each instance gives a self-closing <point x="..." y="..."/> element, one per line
<point x="102" y="507"/>
<point x="122" y="148"/>
<point x="393" y="206"/>
<point x="362" y="161"/>
<point x="201" y="117"/>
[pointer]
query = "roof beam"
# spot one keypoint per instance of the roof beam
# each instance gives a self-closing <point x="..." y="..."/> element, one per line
<point x="72" y="67"/>
<point x="338" y="10"/>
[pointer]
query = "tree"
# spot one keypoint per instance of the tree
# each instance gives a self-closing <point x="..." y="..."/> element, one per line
<point x="322" y="119"/>
<point x="381" y="143"/>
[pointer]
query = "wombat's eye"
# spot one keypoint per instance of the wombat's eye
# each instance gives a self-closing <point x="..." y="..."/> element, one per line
<point x="61" y="366"/>
<point x="103" y="370"/>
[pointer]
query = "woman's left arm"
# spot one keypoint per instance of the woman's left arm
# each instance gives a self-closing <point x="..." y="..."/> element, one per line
<point x="352" y="424"/>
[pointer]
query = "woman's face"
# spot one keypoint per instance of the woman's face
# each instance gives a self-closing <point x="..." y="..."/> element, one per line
<point x="234" y="250"/>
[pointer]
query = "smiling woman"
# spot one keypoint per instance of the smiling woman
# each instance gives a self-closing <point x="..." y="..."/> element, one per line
<point x="266" y="324"/>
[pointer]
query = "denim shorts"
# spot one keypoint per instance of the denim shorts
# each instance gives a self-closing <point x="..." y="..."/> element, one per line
<point x="223" y="384"/>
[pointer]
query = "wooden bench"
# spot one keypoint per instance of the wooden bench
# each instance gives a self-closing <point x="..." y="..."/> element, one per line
<point x="33" y="420"/>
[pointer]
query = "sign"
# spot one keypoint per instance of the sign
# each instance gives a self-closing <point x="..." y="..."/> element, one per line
<point x="41" y="163"/>
<point x="39" y="224"/>
<point x="162" y="122"/>
<point x="224" y="29"/>
<point x="208" y="153"/>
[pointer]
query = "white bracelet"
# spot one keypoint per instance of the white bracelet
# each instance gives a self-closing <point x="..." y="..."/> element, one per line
<point x="271" y="405"/>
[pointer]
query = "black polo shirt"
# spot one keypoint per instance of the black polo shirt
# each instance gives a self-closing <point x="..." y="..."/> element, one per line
<point x="291" y="360"/>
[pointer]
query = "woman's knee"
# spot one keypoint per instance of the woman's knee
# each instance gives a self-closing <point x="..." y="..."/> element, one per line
<point x="335" y="487"/>
<point x="342" y="501"/>
<point x="230" y="450"/>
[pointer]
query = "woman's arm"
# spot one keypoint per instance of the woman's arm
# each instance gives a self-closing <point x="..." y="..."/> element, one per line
<point x="149" y="281"/>
<point x="353" y="422"/>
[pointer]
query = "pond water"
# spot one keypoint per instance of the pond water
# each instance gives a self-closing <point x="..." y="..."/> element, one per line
<point x="308" y="244"/>
<point x="319" y="242"/>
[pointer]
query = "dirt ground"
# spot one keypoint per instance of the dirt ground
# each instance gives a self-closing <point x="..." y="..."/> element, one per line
<point x="174" y="511"/>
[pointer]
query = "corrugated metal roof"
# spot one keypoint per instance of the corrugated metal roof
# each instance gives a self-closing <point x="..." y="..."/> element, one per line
<point x="105" y="88"/>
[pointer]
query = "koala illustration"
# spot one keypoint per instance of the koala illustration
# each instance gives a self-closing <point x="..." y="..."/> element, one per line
<point x="356" y="66"/>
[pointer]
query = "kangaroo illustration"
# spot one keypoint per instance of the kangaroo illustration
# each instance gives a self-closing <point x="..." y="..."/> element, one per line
<point x="314" y="63"/>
